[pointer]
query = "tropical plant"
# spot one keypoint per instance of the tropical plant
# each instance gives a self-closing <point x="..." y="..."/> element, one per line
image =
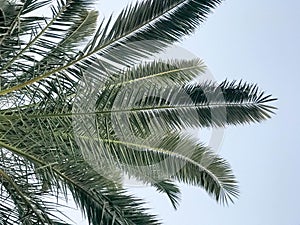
<point x="81" y="105"/>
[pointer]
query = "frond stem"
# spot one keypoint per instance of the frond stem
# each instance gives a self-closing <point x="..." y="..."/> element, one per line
<point x="128" y="110"/>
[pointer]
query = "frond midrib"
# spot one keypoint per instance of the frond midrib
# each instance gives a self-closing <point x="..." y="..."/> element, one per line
<point x="130" y="110"/>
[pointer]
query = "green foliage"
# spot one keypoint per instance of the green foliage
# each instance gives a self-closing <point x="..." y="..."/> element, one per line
<point x="72" y="122"/>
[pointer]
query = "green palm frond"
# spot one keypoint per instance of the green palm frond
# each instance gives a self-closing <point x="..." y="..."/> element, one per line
<point x="159" y="22"/>
<point x="80" y="30"/>
<point x="175" y="157"/>
<point x="153" y="104"/>
<point x="23" y="195"/>
<point x="42" y="134"/>
<point x="48" y="142"/>
<point x="242" y="102"/>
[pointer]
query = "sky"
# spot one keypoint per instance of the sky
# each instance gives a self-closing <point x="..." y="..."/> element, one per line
<point x="257" y="41"/>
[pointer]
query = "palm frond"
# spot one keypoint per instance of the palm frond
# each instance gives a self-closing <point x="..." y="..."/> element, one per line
<point x="242" y="102"/>
<point x="149" y="105"/>
<point x="159" y="23"/>
<point x="22" y="193"/>
<point x="173" y="157"/>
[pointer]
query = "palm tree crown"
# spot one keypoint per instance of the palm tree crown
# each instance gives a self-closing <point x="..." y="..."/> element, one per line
<point x="82" y="104"/>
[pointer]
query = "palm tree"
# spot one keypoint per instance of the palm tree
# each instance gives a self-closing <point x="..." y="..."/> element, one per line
<point x="80" y="106"/>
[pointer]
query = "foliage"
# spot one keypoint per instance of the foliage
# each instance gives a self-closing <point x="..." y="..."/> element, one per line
<point x="80" y="106"/>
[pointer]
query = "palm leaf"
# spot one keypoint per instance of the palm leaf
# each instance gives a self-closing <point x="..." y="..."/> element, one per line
<point x="177" y="158"/>
<point x="159" y="23"/>
<point x="152" y="105"/>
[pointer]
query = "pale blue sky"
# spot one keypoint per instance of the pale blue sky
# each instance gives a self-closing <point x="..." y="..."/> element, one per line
<point x="257" y="41"/>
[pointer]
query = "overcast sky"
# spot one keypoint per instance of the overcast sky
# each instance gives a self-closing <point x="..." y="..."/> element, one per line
<point x="257" y="41"/>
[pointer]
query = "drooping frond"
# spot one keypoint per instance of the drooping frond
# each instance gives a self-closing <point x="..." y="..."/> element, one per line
<point x="49" y="144"/>
<point x="158" y="156"/>
<point x="177" y="158"/>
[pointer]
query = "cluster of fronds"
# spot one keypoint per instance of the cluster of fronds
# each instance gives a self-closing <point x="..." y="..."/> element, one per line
<point x="72" y="121"/>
